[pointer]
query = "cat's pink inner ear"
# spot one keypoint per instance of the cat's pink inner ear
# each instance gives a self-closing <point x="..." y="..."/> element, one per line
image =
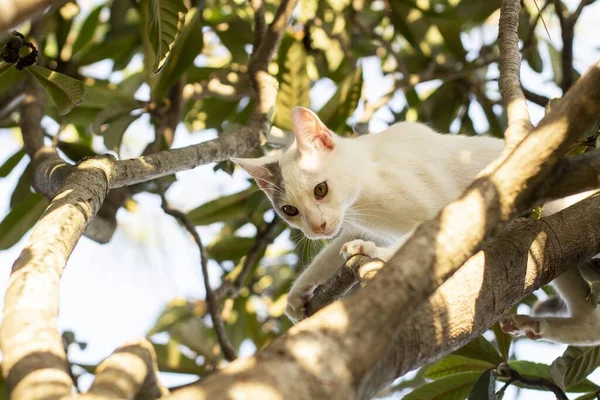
<point x="311" y="134"/>
<point x="256" y="170"/>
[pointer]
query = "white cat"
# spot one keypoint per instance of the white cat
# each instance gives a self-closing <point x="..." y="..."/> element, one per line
<point x="376" y="187"/>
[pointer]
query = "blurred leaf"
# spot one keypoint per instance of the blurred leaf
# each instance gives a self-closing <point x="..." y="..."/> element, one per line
<point x="476" y="11"/>
<point x="164" y="24"/>
<point x="557" y="67"/>
<point x="170" y="358"/>
<point x="9" y="76"/>
<point x="208" y="113"/>
<point x="199" y="74"/>
<point x="183" y="53"/>
<point x="480" y="349"/>
<point x="441" y="107"/>
<point x="575" y="365"/>
<point x="343" y="102"/>
<point x="453" y="387"/>
<point x="23" y="188"/>
<point x="76" y="150"/>
<point x="294" y="83"/>
<point x="230" y="248"/>
<point x="588" y="396"/>
<point x="20" y="219"/>
<point x="503" y="340"/>
<point x="533" y="58"/>
<point x="222" y="209"/>
<point x="86" y="33"/>
<point x="114" y="47"/>
<point x="62" y="27"/>
<point x="65" y="91"/>
<point x="531" y="369"/>
<point x="113" y="134"/>
<point x="176" y="311"/>
<point x="4" y="66"/>
<point x="234" y="32"/>
<point x="11" y="163"/>
<point x="451" y="365"/>
<point x="484" y="387"/>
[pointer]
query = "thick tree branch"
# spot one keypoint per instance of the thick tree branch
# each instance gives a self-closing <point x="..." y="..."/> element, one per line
<point x="130" y="372"/>
<point x="16" y="11"/>
<point x="350" y="338"/>
<point x="519" y="122"/>
<point x="34" y="361"/>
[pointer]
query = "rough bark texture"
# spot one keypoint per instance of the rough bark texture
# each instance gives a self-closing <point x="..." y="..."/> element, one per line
<point x="526" y="256"/>
<point x="129" y="373"/>
<point x="347" y="340"/>
<point x="529" y="254"/>
<point x="519" y="122"/>
<point x="34" y="362"/>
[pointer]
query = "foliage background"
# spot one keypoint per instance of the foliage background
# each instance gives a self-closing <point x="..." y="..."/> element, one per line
<point x="147" y="280"/>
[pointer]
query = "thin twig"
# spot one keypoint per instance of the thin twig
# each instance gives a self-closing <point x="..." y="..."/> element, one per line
<point x="211" y="299"/>
<point x="263" y="239"/>
<point x="259" y="22"/>
<point x="505" y="371"/>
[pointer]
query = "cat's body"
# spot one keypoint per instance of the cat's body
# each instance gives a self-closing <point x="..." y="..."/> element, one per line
<point x="365" y="193"/>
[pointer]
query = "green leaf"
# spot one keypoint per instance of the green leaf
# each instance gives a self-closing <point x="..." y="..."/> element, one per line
<point x="480" y="349"/>
<point x="20" y="219"/>
<point x="230" y="248"/>
<point x="503" y="340"/>
<point x="176" y="311"/>
<point x="208" y="113"/>
<point x="343" y="102"/>
<point x="234" y="32"/>
<point x="484" y="387"/>
<point x="65" y="91"/>
<point x="165" y="19"/>
<point x="113" y="134"/>
<point x="11" y="163"/>
<point x="4" y="66"/>
<point x="76" y="150"/>
<point x="575" y="365"/>
<point x="476" y="11"/>
<point x="222" y="209"/>
<point x="23" y="188"/>
<point x="184" y="53"/>
<point x="114" y="46"/>
<point x="170" y="358"/>
<point x="294" y="86"/>
<point x="88" y="28"/>
<point x="451" y="364"/>
<point x="531" y="369"/>
<point x="588" y="396"/>
<point x="453" y="387"/>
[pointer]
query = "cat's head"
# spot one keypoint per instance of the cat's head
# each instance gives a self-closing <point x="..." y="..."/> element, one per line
<point x="306" y="182"/>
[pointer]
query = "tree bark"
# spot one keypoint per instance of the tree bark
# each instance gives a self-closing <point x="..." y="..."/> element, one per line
<point x="527" y="255"/>
<point x="16" y="11"/>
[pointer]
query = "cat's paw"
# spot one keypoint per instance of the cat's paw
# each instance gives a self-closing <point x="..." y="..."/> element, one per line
<point x="358" y="246"/>
<point x="521" y="325"/>
<point x="297" y="299"/>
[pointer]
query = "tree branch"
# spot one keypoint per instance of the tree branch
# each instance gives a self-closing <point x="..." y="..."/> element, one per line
<point x="519" y="122"/>
<point x="211" y="299"/>
<point x="538" y="99"/>
<point x="34" y="361"/>
<point x="16" y="11"/>
<point x="350" y="339"/>
<point x="130" y="372"/>
<point x="505" y="371"/>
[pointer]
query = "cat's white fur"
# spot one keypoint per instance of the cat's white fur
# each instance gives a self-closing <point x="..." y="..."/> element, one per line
<point x="379" y="187"/>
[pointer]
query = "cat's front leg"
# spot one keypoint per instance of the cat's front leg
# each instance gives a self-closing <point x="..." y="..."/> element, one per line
<point x="319" y="271"/>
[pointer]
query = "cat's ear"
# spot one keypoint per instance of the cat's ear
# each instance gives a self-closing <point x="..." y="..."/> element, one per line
<point x="257" y="169"/>
<point x="311" y="134"/>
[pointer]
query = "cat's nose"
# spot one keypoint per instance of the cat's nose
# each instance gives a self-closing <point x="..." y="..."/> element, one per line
<point x="319" y="228"/>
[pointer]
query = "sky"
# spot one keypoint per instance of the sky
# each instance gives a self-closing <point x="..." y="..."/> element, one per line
<point x="113" y="292"/>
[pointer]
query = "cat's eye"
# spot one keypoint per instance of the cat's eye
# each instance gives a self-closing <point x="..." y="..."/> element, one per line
<point x="321" y="190"/>
<point x="289" y="210"/>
